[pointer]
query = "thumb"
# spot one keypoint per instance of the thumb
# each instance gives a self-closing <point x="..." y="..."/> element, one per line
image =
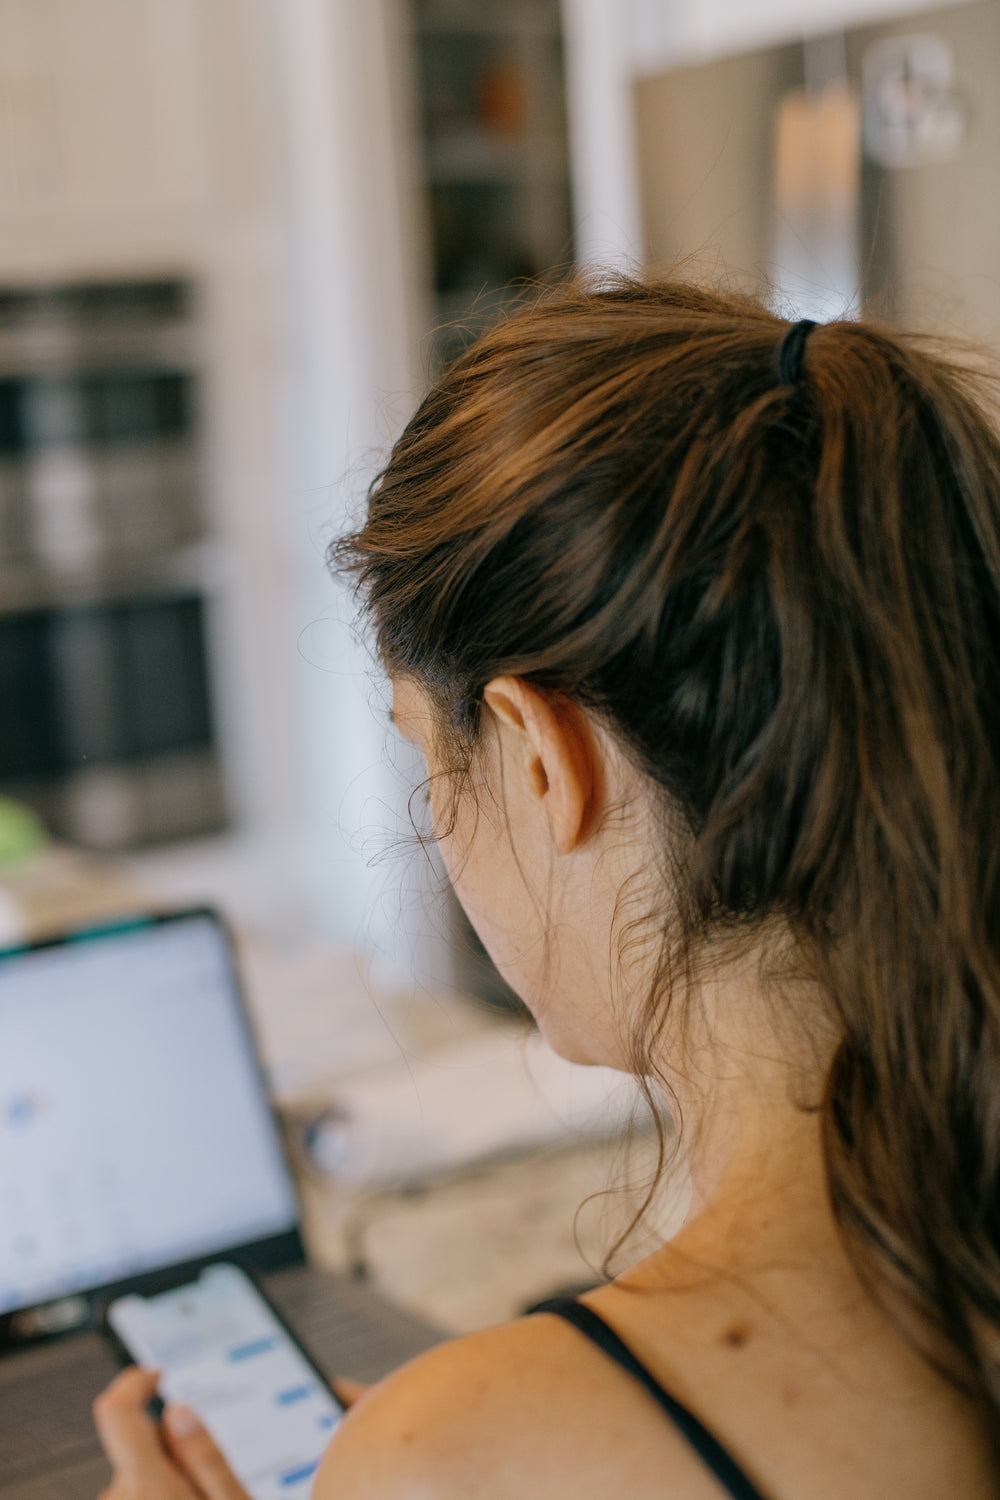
<point x="194" y="1451"/>
<point x="127" y="1432"/>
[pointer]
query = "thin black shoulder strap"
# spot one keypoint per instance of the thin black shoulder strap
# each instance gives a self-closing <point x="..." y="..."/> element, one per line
<point x="726" y="1470"/>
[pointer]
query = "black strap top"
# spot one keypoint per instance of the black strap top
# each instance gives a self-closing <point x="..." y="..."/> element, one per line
<point x="726" y="1470"/>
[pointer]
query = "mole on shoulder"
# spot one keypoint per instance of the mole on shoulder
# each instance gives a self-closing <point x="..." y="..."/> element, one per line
<point x="736" y="1336"/>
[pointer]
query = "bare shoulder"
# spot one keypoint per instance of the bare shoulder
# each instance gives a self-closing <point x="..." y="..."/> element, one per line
<point x="514" y="1410"/>
<point x="443" y="1423"/>
<point x="531" y="1408"/>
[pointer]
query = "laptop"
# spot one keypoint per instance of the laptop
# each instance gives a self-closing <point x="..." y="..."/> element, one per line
<point x="136" y="1137"/>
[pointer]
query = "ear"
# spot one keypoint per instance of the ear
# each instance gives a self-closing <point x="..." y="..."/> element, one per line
<point x="556" y="747"/>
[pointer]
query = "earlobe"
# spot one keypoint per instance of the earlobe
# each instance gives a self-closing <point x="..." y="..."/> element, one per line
<point x="556" y="743"/>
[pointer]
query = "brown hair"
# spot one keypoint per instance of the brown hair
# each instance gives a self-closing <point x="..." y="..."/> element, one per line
<point x="785" y="601"/>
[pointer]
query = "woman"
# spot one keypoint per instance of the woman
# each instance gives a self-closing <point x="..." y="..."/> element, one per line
<point x="694" y="616"/>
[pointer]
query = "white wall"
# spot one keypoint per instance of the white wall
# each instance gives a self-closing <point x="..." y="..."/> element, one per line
<point x="603" y="151"/>
<point x="663" y="33"/>
<point x="351" y="288"/>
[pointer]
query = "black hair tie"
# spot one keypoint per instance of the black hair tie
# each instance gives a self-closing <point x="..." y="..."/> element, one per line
<point x="792" y="349"/>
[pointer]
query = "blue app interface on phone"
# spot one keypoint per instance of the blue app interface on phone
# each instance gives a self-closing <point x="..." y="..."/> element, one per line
<point x="224" y="1353"/>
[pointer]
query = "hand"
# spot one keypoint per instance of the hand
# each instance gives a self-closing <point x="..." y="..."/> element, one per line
<point x="176" y="1462"/>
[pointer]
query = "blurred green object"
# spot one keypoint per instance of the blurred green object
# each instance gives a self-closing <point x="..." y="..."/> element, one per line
<point x="22" y="832"/>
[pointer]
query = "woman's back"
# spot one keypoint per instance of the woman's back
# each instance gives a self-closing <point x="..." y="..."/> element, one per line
<point x="778" y="1352"/>
<point x="528" y="1410"/>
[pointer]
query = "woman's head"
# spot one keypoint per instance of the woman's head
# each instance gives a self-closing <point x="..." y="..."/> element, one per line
<point x="543" y="826"/>
<point x="779" y="602"/>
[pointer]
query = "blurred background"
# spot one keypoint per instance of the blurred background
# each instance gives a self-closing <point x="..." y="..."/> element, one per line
<point x="237" y="237"/>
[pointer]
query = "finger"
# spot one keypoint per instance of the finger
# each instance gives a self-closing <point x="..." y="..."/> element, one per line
<point x="128" y="1434"/>
<point x="193" y="1450"/>
<point x="348" y="1391"/>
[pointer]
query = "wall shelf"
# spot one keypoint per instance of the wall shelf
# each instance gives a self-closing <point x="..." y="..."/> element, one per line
<point x="490" y="18"/>
<point x="106" y="712"/>
<point x="491" y="98"/>
<point x="476" y="156"/>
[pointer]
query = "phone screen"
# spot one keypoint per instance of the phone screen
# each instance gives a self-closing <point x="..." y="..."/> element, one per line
<point x="224" y="1352"/>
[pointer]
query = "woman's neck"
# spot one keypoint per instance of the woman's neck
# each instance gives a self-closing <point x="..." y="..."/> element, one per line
<point x="750" y="1122"/>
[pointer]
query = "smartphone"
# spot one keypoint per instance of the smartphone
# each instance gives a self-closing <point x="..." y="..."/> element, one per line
<point x="224" y="1351"/>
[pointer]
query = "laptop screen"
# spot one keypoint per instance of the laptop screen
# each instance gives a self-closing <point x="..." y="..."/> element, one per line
<point x="134" y="1131"/>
